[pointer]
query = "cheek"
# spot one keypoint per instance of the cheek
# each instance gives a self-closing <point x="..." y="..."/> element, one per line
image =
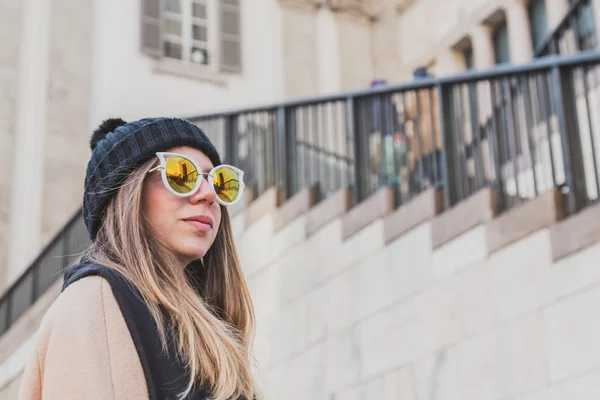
<point x="158" y="209"/>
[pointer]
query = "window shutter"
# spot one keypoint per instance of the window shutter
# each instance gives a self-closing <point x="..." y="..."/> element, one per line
<point x="230" y="36"/>
<point x="150" y="37"/>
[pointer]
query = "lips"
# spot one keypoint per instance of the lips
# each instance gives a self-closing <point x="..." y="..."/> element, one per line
<point x="201" y="222"/>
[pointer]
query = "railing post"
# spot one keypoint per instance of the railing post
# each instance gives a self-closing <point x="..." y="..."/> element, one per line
<point x="445" y="112"/>
<point x="35" y="283"/>
<point x="231" y="139"/>
<point x="357" y="138"/>
<point x="283" y="161"/>
<point x="564" y="97"/>
<point x="8" y="309"/>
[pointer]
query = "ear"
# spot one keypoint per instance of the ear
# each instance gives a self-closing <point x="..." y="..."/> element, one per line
<point x="106" y="127"/>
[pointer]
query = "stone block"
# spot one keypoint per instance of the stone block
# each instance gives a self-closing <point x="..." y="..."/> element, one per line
<point x="354" y="393"/>
<point x="238" y="225"/>
<point x="473" y="290"/>
<point x="372" y="389"/>
<point x="289" y="331"/>
<point x="576" y="271"/>
<point x="582" y="387"/>
<point x="462" y="251"/>
<point x="407" y="331"/>
<point x="436" y="376"/>
<point x="342" y="361"/>
<point x="505" y="362"/>
<point x="399" y="384"/>
<point x="12" y="367"/>
<point x="285" y="239"/>
<point x="410" y="260"/>
<point x="261" y="348"/>
<point x="544" y="394"/>
<point x="436" y="311"/>
<point x="522" y="276"/>
<point x="317" y="320"/>
<point x="355" y="248"/>
<point x="308" y="380"/>
<point x="375" y="336"/>
<point x="372" y="285"/>
<point x="11" y="390"/>
<point x="339" y="302"/>
<point x="327" y="243"/>
<point x="572" y="335"/>
<point x="299" y="272"/>
<point x="256" y="245"/>
<point x="264" y="291"/>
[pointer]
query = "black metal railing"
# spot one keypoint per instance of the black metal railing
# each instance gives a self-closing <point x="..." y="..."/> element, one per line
<point x="574" y="33"/>
<point x="43" y="272"/>
<point x="517" y="128"/>
<point x="520" y="129"/>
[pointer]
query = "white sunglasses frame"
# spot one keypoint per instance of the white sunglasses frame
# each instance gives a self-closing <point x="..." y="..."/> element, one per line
<point x="205" y="176"/>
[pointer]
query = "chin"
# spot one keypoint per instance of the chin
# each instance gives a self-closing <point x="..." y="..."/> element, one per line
<point x="192" y="251"/>
<point x="191" y="247"/>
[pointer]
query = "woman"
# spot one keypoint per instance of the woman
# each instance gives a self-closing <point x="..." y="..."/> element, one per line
<point x="157" y="307"/>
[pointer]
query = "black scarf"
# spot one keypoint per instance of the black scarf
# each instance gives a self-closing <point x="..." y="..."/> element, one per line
<point x="165" y="373"/>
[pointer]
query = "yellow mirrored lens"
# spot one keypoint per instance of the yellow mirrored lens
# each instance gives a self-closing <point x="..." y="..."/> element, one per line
<point x="182" y="176"/>
<point x="227" y="184"/>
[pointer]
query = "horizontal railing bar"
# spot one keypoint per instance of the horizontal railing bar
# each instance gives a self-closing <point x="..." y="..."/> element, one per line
<point x="536" y="65"/>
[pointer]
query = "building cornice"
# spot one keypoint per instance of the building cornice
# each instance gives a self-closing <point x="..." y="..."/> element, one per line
<point x="371" y="9"/>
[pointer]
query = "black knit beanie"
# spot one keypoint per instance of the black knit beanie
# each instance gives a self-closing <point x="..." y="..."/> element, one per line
<point x="118" y="148"/>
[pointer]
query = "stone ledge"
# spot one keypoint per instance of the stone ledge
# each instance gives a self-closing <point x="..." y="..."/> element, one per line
<point x="28" y="323"/>
<point x="423" y="207"/>
<point x="377" y="206"/>
<point x="474" y="210"/>
<point x="265" y="203"/>
<point x="575" y="233"/>
<point x="327" y="210"/>
<point x="537" y="213"/>
<point x="242" y="204"/>
<point x="178" y="68"/>
<point x="297" y="205"/>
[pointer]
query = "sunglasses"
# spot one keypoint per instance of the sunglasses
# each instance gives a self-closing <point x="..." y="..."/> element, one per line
<point x="182" y="177"/>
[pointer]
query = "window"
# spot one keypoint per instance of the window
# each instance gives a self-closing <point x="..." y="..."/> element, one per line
<point x="585" y="27"/>
<point x="537" y="22"/>
<point x="196" y="32"/>
<point x="463" y="49"/>
<point x="468" y="55"/>
<point x="501" y="52"/>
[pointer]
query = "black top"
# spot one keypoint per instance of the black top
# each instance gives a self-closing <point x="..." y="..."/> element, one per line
<point x="165" y="373"/>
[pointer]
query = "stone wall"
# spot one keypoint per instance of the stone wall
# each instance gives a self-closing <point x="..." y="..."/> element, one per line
<point x="68" y="112"/>
<point x="487" y="312"/>
<point x="413" y="304"/>
<point x="45" y="77"/>
<point x="10" y="31"/>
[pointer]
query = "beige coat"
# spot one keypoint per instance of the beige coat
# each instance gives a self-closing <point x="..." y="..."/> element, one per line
<point x="84" y="349"/>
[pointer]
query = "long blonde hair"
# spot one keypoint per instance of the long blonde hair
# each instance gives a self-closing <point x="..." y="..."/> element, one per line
<point x="213" y="324"/>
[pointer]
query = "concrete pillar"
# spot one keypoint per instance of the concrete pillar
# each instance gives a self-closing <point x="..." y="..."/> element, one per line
<point x="596" y="11"/>
<point x="519" y="32"/>
<point x="385" y="46"/>
<point x="27" y="172"/>
<point x="299" y="39"/>
<point x="483" y="47"/>
<point x="448" y="62"/>
<point x="328" y="52"/>
<point x="555" y="12"/>
<point x="357" y="66"/>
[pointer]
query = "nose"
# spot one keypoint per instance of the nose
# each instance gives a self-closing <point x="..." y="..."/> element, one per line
<point x="204" y="193"/>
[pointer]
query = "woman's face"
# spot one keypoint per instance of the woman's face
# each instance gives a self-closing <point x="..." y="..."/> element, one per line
<point x="174" y="220"/>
